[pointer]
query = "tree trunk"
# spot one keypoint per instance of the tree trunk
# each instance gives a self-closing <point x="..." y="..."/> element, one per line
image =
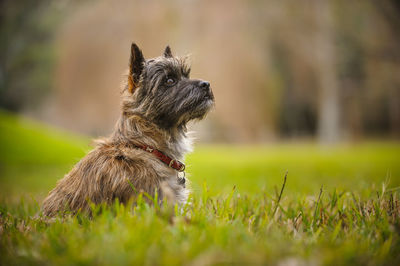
<point x="328" y="117"/>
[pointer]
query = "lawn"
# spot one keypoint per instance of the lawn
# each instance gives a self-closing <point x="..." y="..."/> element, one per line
<point x="339" y="206"/>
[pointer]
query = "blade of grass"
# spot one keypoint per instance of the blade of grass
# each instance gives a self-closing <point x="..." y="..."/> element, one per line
<point x="280" y="194"/>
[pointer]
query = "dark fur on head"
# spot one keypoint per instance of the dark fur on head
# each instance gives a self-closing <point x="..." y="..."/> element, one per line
<point x="163" y="92"/>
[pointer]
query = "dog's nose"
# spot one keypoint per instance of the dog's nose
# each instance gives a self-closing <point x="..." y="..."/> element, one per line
<point x="204" y="84"/>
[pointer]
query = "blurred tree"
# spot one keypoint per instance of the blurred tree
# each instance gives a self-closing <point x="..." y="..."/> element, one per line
<point x="351" y="63"/>
<point x="26" y="52"/>
<point x="329" y="105"/>
<point x="390" y="14"/>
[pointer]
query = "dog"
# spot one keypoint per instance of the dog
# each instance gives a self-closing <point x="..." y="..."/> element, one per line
<point x="150" y="139"/>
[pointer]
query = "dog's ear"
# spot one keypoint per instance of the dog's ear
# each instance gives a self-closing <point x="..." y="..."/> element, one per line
<point x="136" y="63"/>
<point x="167" y="52"/>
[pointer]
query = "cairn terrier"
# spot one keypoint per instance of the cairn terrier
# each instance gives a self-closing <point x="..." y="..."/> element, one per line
<point x="150" y="138"/>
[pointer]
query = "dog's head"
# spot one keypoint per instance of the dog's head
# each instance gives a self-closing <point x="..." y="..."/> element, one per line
<point x="162" y="91"/>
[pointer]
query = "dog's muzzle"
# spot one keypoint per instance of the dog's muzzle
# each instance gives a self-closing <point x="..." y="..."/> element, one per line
<point x="205" y="87"/>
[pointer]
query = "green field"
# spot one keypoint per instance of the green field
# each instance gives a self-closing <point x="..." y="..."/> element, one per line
<point x="234" y="217"/>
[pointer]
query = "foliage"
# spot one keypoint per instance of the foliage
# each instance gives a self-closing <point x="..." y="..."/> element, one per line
<point x="232" y="228"/>
<point x="26" y="51"/>
<point x="347" y="221"/>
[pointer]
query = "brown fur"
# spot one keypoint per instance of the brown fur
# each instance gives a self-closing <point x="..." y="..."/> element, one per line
<point x="115" y="165"/>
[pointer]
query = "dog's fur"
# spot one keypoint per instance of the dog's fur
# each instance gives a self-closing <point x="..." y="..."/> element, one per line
<point x="155" y="112"/>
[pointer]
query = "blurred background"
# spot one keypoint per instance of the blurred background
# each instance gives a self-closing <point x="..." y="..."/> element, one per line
<point x="325" y="70"/>
<point x="287" y="75"/>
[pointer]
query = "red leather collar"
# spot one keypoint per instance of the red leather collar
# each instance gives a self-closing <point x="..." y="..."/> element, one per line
<point x="177" y="165"/>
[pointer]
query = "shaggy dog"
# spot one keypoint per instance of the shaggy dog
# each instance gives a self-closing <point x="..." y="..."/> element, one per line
<point x="150" y="137"/>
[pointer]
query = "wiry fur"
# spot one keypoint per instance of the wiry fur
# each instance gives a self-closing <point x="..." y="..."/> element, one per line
<point x="154" y="113"/>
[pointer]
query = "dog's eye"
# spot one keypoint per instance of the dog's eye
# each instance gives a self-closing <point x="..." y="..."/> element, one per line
<point x="170" y="81"/>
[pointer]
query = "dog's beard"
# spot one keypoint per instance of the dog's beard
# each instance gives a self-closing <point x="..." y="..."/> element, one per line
<point x="177" y="108"/>
<point x="195" y="105"/>
<point x="202" y="108"/>
<point x="197" y="113"/>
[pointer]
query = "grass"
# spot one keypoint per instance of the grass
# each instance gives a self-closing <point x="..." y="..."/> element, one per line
<point x="338" y="206"/>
